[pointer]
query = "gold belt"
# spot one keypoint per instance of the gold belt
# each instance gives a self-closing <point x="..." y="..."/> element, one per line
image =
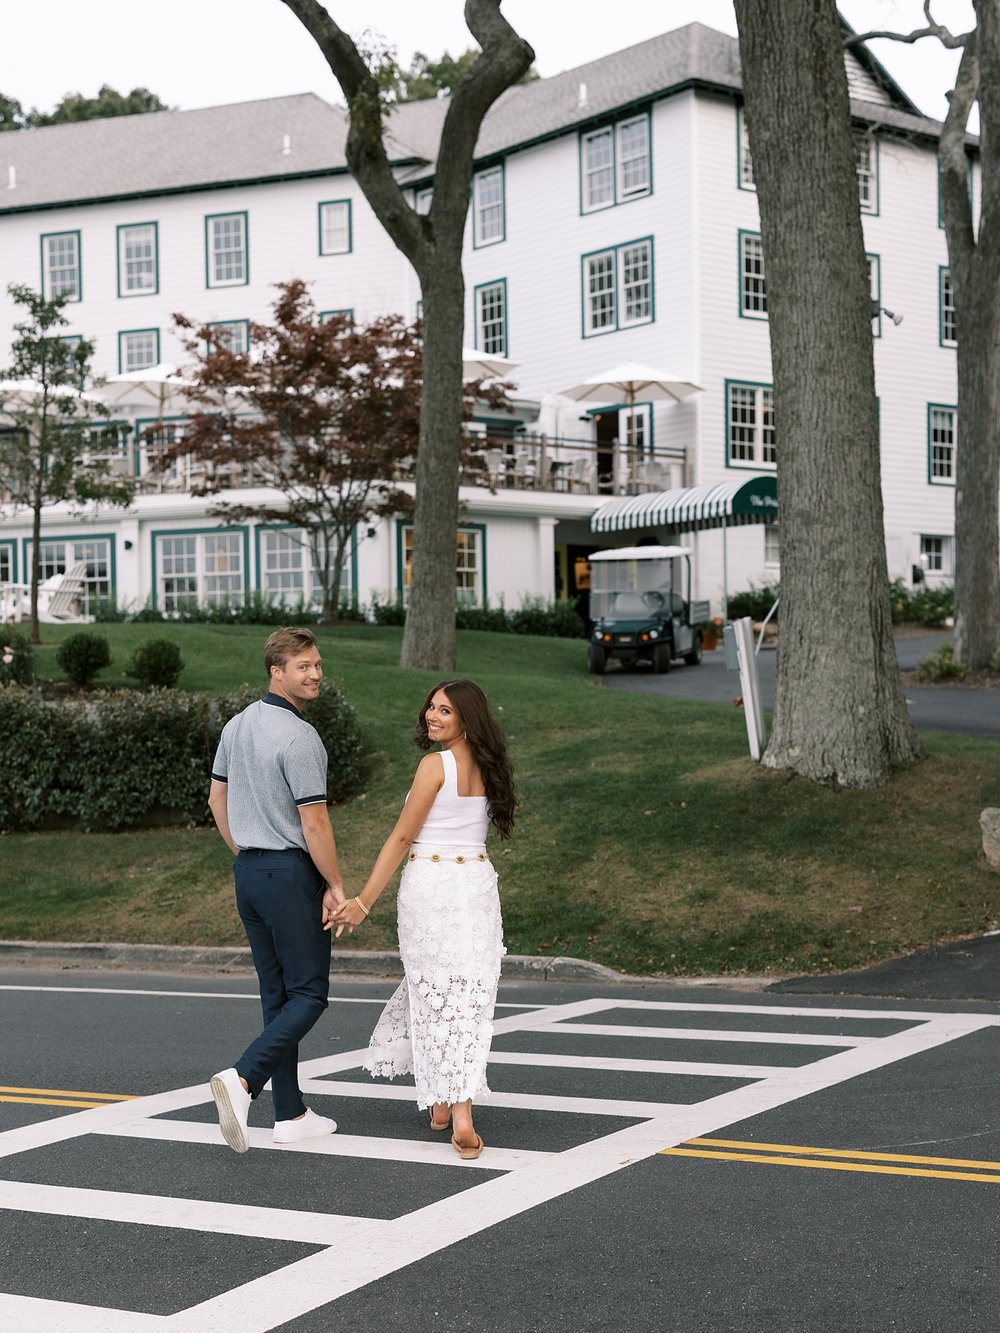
<point x="436" y="856"/>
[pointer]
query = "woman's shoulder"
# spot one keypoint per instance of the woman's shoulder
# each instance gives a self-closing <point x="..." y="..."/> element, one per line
<point x="431" y="768"/>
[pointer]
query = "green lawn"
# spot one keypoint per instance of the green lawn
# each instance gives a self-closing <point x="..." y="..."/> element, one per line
<point x="647" y="839"/>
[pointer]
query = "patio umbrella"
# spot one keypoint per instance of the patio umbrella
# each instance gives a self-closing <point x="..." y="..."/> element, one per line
<point x="158" y="385"/>
<point x="630" y="382"/>
<point x="481" y="365"/>
<point x="26" y="395"/>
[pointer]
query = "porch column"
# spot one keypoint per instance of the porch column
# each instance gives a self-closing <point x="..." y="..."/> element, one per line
<point x="547" y="557"/>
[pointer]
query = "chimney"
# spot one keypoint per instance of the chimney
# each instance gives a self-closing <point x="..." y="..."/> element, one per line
<point x="12" y="178"/>
<point x="581" y="99"/>
<point x="286" y="144"/>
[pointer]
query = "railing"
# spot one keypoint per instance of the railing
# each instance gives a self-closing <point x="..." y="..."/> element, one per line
<point x="518" y="462"/>
<point x="536" y="462"/>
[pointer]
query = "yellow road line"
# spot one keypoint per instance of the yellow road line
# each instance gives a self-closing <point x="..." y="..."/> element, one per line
<point x="840" y="1152"/>
<point x="829" y="1165"/>
<point x="52" y="1101"/>
<point x="739" y="1150"/>
<point x="79" y="1101"/>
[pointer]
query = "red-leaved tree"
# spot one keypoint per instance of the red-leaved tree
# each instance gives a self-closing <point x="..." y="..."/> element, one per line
<point x="324" y="416"/>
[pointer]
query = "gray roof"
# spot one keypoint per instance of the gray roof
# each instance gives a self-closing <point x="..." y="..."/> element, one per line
<point x="287" y="137"/>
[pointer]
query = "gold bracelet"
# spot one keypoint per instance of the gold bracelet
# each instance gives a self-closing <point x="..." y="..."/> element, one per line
<point x="362" y="906"/>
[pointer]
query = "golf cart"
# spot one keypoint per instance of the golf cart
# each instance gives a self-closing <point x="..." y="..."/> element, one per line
<point x="640" y="600"/>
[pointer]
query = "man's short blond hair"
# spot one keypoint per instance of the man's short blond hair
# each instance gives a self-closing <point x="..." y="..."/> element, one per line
<point x="285" y="643"/>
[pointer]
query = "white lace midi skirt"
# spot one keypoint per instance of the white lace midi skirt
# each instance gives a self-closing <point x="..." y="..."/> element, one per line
<point x="439" y="1023"/>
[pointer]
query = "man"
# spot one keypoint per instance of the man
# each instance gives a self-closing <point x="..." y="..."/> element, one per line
<point x="268" y="799"/>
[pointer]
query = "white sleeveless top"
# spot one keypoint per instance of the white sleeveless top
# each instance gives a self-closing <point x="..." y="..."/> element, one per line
<point x="453" y="819"/>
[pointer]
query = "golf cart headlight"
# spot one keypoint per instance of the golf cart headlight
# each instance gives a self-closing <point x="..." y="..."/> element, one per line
<point x="598" y="635"/>
<point x="654" y="633"/>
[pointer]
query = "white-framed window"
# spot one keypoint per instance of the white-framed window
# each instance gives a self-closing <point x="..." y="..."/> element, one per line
<point x="772" y="544"/>
<point x="936" y="554"/>
<point x="232" y="334"/>
<point x="335" y="227"/>
<point x="470" y="588"/>
<point x="137" y="259"/>
<point x="866" y="164"/>
<point x="6" y="562"/>
<point x="226" y="258"/>
<point x="491" y="318"/>
<point x="598" y="168"/>
<point x="199" y="568"/>
<point x="288" y="572"/>
<point x="422" y="201"/>
<point x="615" y="164"/>
<point x="618" y="287"/>
<point x="946" y="299"/>
<point x="753" y="285"/>
<point x="745" y="165"/>
<point x="56" y="555"/>
<point x="750" y="425"/>
<point x="634" y="427"/>
<point x="942" y="441"/>
<point x="138" y="349"/>
<point x="488" y="207"/>
<point x="61" y="266"/>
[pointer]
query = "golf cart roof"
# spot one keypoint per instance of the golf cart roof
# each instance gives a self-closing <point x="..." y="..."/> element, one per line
<point x="641" y="553"/>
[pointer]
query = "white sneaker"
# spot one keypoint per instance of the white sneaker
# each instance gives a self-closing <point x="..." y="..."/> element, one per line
<point x="309" y="1126"/>
<point x="233" y="1103"/>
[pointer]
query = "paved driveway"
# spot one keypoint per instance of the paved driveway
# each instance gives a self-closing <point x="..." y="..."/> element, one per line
<point x="972" y="712"/>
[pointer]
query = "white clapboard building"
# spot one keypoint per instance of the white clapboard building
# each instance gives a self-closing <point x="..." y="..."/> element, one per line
<point x="613" y="219"/>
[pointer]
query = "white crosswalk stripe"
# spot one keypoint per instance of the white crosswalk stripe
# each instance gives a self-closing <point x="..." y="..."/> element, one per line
<point x="511" y="1181"/>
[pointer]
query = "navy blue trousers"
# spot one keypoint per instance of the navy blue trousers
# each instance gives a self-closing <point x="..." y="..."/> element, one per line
<point x="279" y="896"/>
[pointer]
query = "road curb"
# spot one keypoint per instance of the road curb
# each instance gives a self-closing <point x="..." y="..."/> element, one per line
<point x="346" y="962"/>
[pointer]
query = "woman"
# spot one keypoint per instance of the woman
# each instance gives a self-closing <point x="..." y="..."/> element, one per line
<point x="439" y="1022"/>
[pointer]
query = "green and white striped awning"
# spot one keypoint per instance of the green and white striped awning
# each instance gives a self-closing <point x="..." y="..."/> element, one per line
<point x="692" y="508"/>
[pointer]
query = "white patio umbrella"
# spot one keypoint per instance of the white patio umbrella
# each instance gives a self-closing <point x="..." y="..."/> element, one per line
<point x="159" y="385"/>
<point x="632" y="382"/>
<point x="26" y="395"/>
<point x="481" y="365"/>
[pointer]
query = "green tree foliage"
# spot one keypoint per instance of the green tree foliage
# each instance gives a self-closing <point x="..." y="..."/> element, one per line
<point x="428" y="78"/>
<point x="75" y="107"/>
<point x="50" y="450"/>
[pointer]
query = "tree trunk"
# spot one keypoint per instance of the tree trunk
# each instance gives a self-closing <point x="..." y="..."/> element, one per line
<point x="433" y="245"/>
<point x="975" y="274"/>
<point x="36" y="556"/>
<point x="429" y="634"/>
<point x="839" y="715"/>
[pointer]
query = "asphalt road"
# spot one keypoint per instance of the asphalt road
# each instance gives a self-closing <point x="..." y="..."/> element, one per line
<point x="973" y="712"/>
<point x="659" y="1158"/>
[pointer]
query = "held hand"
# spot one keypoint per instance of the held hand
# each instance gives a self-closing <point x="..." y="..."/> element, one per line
<point x="350" y="913"/>
<point x="332" y="898"/>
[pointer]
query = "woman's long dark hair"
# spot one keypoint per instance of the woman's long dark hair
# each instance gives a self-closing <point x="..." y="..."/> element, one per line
<point x="488" y="745"/>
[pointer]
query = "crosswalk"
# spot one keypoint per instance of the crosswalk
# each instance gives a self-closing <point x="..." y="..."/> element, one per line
<point x="767" y="1056"/>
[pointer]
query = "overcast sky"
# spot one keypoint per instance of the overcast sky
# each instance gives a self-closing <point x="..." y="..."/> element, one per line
<point x="195" y="53"/>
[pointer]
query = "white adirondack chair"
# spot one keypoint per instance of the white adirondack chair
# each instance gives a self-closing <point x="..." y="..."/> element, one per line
<point x="61" y="599"/>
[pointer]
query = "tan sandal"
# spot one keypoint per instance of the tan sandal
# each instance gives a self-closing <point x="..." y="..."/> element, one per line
<point x="468" y="1154"/>
<point x="436" y="1124"/>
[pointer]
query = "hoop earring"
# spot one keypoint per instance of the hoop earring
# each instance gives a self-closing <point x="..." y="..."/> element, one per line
<point x="465" y="735"/>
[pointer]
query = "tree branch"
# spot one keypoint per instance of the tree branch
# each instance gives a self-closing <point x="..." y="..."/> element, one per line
<point x="953" y="162"/>
<point x="366" y="153"/>
<point x="933" y="29"/>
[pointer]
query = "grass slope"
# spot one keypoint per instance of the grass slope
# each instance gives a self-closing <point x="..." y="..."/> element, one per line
<point x="647" y="839"/>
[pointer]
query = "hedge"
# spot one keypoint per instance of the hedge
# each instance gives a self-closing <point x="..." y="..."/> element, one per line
<point x="124" y="759"/>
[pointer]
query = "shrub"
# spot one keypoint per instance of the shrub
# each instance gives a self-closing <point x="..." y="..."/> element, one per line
<point x="754" y="602"/>
<point x="157" y="662"/>
<point x="485" y="617"/>
<point x="82" y="655"/>
<point x="931" y="607"/>
<point x="337" y="723"/>
<point x="558" y="620"/>
<point x="388" y="613"/>
<point x="126" y="756"/>
<point x="941" y="665"/>
<point x="17" y="658"/>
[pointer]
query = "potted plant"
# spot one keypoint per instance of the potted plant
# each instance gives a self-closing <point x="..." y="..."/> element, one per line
<point x="711" y="632"/>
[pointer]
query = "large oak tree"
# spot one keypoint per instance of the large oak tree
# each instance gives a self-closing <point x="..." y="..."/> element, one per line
<point x="840" y="716"/>
<point x="433" y="245"/>
<point x="974" y="262"/>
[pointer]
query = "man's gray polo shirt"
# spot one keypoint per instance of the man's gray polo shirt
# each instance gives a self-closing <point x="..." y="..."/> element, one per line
<point x="272" y="761"/>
